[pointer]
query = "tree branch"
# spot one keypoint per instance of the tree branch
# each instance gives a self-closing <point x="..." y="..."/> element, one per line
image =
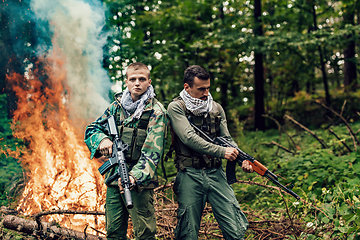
<point x="342" y="118"/>
<point x="342" y="141"/>
<point x="280" y="146"/>
<point x="48" y="230"/>
<point x="306" y="129"/>
<point x="40" y="214"/>
<point x="281" y="129"/>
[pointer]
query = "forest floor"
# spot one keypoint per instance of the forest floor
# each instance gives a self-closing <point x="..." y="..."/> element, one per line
<point x="261" y="225"/>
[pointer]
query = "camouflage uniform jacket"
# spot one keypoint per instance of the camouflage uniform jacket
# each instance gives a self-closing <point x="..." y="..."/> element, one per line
<point x="144" y="171"/>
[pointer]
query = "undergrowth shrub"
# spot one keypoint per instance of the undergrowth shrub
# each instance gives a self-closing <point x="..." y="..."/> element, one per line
<point x="303" y="108"/>
<point x="327" y="180"/>
<point x="10" y="169"/>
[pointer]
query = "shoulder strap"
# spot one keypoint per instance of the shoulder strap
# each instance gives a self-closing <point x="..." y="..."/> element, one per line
<point x="182" y="105"/>
<point x="144" y="119"/>
<point x="215" y="119"/>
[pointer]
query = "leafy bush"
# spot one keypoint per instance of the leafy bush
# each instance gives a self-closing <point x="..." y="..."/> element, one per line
<point x="325" y="178"/>
<point x="303" y="108"/>
<point x="10" y="169"/>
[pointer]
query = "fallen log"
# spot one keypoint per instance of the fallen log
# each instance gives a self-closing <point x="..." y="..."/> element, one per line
<point x="46" y="229"/>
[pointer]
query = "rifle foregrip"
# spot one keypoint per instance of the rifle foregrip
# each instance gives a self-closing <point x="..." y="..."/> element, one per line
<point x="258" y="167"/>
<point x="112" y="178"/>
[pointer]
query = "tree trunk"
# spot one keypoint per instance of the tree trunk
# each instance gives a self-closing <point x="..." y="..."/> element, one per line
<point x="15" y="32"/>
<point x="350" y="67"/>
<point x="8" y="60"/>
<point x="46" y="229"/>
<point x="322" y="63"/>
<point x="259" y="72"/>
<point x="349" y="53"/>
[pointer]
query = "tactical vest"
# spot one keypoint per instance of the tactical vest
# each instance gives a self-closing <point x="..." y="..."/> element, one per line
<point x="134" y="136"/>
<point x="187" y="157"/>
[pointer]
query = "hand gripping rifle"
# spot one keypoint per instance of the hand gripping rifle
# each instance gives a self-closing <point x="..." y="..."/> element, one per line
<point x="117" y="159"/>
<point x="230" y="166"/>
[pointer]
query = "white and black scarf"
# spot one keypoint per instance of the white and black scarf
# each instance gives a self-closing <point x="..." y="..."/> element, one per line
<point x="197" y="106"/>
<point x="136" y="108"/>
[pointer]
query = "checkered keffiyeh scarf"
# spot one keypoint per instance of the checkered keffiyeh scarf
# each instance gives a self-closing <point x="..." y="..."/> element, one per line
<point x="136" y="108"/>
<point x="197" y="106"/>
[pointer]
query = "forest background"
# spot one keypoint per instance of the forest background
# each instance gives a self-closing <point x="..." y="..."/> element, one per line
<point x="286" y="73"/>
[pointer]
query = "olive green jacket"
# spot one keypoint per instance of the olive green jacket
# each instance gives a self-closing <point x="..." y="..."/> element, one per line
<point x="190" y="138"/>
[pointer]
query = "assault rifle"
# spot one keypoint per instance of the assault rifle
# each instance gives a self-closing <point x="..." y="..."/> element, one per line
<point x="117" y="159"/>
<point x="230" y="166"/>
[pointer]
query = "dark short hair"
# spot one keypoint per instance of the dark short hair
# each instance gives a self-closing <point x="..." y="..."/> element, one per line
<point x="137" y="66"/>
<point x="195" y="71"/>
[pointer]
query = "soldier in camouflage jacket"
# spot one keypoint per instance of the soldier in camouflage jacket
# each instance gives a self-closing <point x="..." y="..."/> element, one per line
<point x="146" y="149"/>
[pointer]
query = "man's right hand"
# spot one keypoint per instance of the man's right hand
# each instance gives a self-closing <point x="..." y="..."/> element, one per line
<point x="231" y="153"/>
<point x="105" y="147"/>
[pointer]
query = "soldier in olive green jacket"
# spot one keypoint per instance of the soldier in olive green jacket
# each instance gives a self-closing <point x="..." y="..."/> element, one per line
<point x="142" y="124"/>
<point x="200" y="177"/>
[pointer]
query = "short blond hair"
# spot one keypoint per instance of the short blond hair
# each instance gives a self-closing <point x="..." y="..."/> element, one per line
<point x="138" y="66"/>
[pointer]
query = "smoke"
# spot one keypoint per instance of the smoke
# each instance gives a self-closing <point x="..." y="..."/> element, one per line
<point x="76" y="29"/>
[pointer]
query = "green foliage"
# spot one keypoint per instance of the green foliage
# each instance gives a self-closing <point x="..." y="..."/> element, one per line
<point x="304" y="108"/>
<point x="313" y="169"/>
<point x="14" y="235"/>
<point x="326" y="179"/>
<point x="171" y="35"/>
<point x="10" y="169"/>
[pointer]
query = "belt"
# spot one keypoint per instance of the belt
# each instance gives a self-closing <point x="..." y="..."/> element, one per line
<point x="199" y="163"/>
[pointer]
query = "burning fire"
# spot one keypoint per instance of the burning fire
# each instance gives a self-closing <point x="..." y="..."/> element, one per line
<point x="60" y="174"/>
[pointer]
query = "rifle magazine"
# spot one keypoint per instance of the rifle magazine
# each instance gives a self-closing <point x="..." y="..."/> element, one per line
<point x="105" y="167"/>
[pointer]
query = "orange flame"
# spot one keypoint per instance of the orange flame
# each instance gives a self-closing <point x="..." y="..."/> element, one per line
<point x="61" y="175"/>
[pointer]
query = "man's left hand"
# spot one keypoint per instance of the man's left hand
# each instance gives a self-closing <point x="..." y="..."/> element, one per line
<point x="132" y="181"/>
<point x="246" y="167"/>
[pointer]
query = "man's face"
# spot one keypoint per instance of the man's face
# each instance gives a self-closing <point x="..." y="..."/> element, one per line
<point x="137" y="82"/>
<point x="200" y="88"/>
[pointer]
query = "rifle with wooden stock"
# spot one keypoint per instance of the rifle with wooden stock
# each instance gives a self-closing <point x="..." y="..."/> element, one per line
<point x="242" y="156"/>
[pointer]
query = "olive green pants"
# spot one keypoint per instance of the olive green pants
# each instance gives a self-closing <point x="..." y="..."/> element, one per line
<point x="117" y="215"/>
<point x="195" y="187"/>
